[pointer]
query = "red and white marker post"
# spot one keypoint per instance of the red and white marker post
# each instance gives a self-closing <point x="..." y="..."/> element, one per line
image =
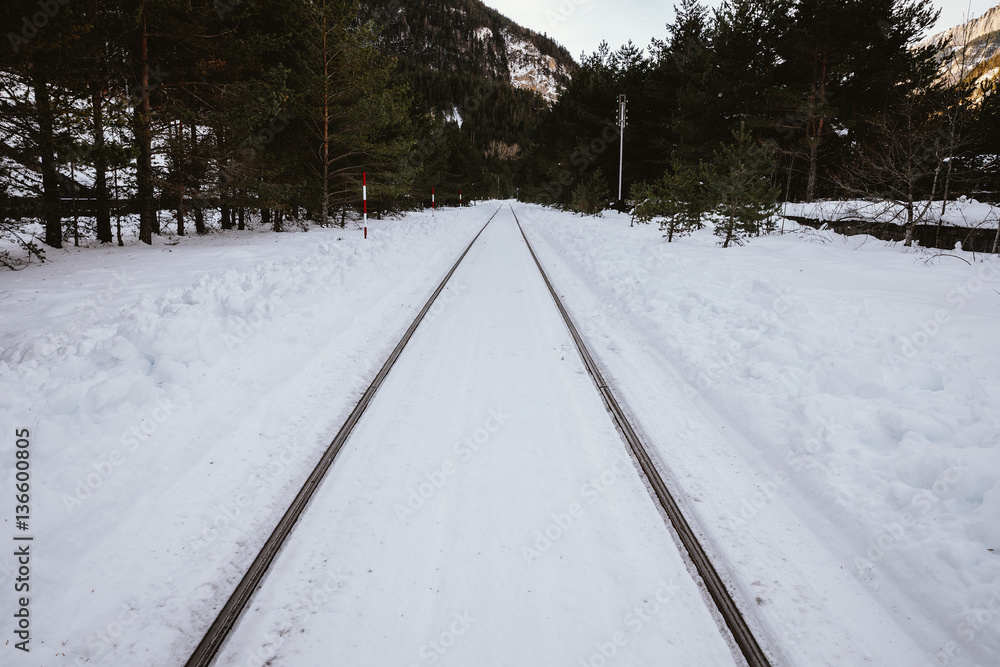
<point x="460" y="199"/>
<point x="364" y="196"/>
<point x="433" y="204"/>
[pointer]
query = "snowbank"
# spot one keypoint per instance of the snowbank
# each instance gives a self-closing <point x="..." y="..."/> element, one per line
<point x="964" y="212"/>
<point x="176" y="398"/>
<point x="862" y="385"/>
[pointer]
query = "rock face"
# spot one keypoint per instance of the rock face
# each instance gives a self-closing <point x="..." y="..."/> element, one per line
<point x="972" y="50"/>
<point x="467" y="38"/>
<point x="532" y="70"/>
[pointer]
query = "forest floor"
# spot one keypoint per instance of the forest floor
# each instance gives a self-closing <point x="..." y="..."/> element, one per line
<point x="826" y="408"/>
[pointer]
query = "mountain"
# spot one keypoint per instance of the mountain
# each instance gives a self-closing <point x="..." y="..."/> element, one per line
<point x="483" y="84"/>
<point x="466" y="36"/>
<point x="980" y="41"/>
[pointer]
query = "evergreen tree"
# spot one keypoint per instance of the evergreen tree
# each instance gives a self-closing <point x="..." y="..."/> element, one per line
<point x="591" y="195"/>
<point x="679" y="80"/>
<point x="741" y="190"/>
<point x="677" y="201"/>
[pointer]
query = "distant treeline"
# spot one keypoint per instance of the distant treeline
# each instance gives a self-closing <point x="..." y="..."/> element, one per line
<point x="835" y="92"/>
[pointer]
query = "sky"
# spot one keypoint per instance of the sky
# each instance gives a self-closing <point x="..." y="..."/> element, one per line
<point x="581" y="25"/>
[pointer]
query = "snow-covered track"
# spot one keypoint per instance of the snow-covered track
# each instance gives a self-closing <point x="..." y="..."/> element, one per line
<point x="714" y="584"/>
<point x="227" y="618"/>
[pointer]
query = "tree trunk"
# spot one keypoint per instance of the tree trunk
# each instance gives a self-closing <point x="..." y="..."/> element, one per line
<point x="324" y="212"/>
<point x="180" y="213"/>
<point x="243" y="219"/>
<point x="199" y="218"/>
<point x="102" y="213"/>
<point x="227" y="219"/>
<point x="813" y="170"/>
<point x="51" y="209"/>
<point x="142" y="128"/>
<point x="909" y="225"/>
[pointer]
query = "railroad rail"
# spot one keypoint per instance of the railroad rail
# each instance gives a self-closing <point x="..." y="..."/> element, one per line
<point x="230" y="613"/>
<point x="714" y="584"/>
<point x="724" y="601"/>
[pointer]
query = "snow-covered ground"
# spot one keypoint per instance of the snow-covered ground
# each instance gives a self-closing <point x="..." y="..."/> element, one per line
<point x="177" y="397"/>
<point x="826" y="407"/>
<point x="829" y="406"/>
<point x="963" y="212"/>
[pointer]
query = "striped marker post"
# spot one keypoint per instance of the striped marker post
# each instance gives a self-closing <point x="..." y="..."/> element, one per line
<point x="364" y="196"/>
<point x="433" y="204"/>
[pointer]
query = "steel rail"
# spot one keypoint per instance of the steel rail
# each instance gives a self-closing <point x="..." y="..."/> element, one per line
<point x="716" y="587"/>
<point x="231" y="612"/>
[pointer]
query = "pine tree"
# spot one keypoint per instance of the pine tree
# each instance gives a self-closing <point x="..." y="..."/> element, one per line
<point x="591" y="195"/>
<point x="741" y="190"/>
<point x="677" y="201"/>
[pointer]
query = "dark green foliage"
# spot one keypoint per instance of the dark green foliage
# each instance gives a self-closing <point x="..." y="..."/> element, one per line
<point x="677" y="201"/>
<point x="591" y="195"/>
<point x="740" y="188"/>
<point x="460" y="69"/>
<point x="810" y="76"/>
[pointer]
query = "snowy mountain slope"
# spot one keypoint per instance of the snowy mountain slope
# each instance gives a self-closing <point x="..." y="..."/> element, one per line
<point x="466" y="37"/>
<point x="980" y="41"/>
<point x="531" y="70"/>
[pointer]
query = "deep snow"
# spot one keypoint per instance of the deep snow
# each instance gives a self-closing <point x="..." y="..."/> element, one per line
<point x="829" y="406"/>
<point x="825" y="406"/>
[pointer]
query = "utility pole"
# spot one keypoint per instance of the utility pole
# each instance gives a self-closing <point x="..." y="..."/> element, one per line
<point x="622" y="122"/>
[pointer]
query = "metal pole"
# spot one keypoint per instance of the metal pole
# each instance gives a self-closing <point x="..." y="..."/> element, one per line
<point x="622" y="118"/>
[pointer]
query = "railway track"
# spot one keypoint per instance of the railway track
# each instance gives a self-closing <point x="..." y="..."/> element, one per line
<point x="714" y="584"/>
<point x="724" y="601"/>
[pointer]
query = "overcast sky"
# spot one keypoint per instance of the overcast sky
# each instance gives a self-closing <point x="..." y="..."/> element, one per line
<point x="580" y="25"/>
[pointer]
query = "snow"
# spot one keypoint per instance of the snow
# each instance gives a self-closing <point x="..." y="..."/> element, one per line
<point x="531" y="70"/>
<point x="485" y="512"/>
<point x="177" y="396"/>
<point x="829" y="407"/>
<point x="964" y="212"/>
<point x="454" y="116"/>
<point x="825" y="408"/>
